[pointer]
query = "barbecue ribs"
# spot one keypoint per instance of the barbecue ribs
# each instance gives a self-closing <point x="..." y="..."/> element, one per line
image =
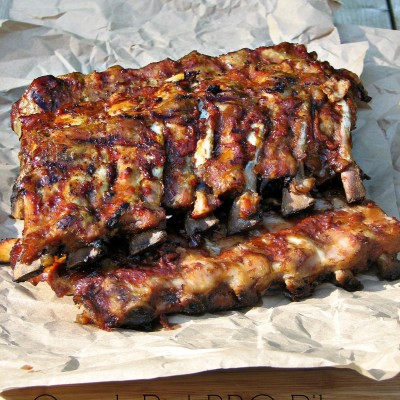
<point x="111" y="155"/>
<point x="235" y="271"/>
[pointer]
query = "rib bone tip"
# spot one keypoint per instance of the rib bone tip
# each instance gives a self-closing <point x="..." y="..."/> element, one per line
<point x="352" y="184"/>
<point x="144" y="240"/>
<point x="22" y="272"/>
<point x="294" y="202"/>
<point x="194" y="226"/>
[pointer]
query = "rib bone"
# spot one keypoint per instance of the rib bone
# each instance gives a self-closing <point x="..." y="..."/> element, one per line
<point x="352" y="184"/>
<point x="23" y="272"/>
<point x="389" y="266"/>
<point x="347" y="280"/>
<point x="144" y="240"/>
<point x="245" y="213"/>
<point x="86" y="255"/>
<point x="194" y="226"/>
<point x="294" y="202"/>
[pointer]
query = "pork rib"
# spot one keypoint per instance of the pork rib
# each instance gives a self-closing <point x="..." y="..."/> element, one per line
<point x="109" y="154"/>
<point x="233" y="272"/>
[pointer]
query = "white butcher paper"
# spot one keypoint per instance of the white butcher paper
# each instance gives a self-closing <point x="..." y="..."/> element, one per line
<point x="40" y="343"/>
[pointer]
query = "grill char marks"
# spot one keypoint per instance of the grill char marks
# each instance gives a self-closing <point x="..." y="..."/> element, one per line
<point x="91" y="176"/>
<point x="106" y="154"/>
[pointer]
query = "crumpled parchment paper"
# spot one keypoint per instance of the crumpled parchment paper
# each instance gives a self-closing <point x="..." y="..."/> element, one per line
<point x="333" y="328"/>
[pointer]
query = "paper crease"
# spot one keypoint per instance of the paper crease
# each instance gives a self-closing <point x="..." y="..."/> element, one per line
<point x="334" y="328"/>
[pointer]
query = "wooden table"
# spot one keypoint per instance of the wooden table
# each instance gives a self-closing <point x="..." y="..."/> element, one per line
<point x="245" y="384"/>
<point x="378" y="13"/>
<point x="251" y="383"/>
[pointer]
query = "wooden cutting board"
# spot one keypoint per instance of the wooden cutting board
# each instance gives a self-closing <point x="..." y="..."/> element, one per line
<point x="240" y="384"/>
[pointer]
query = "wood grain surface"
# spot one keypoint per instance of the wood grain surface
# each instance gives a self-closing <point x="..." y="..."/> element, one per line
<point x="239" y="384"/>
<point x="364" y="12"/>
<point x="395" y="10"/>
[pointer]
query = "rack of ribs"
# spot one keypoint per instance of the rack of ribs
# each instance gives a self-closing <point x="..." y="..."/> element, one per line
<point x="194" y="185"/>
<point x="115" y="154"/>
<point x="332" y="244"/>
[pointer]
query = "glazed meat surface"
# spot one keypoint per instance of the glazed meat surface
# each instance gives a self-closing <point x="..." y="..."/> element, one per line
<point x="109" y="155"/>
<point x="233" y="272"/>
